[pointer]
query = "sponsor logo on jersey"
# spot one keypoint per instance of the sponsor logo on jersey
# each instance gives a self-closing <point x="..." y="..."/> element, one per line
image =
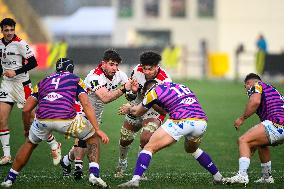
<point x="9" y="63"/>
<point x="52" y="96"/>
<point x="3" y="94"/>
<point x="11" y="53"/>
<point x="188" y="101"/>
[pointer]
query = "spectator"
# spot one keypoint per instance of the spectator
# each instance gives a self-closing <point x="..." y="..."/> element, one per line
<point x="261" y="43"/>
<point x="260" y="55"/>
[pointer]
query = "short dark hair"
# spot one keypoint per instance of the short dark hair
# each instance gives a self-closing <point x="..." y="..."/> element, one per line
<point x="7" y="22"/>
<point x="148" y="85"/>
<point x="252" y="76"/>
<point x="111" y="54"/>
<point x="150" y="58"/>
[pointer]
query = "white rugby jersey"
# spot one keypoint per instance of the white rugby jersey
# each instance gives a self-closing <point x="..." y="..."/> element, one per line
<point x="13" y="56"/>
<point x="97" y="79"/>
<point x="137" y="73"/>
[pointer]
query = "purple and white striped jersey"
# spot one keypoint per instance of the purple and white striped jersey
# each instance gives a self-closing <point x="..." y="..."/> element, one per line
<point x="56" y="95"/>
<point x="178" y="100"/>
<point x="272" y="103"/>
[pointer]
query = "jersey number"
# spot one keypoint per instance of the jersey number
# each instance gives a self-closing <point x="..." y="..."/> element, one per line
<point x="184" y="90"/>
<point x="55" y="81"/>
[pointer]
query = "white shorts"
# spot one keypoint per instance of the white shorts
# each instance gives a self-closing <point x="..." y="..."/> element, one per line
<point x="78" y="127"/>
<point x="15" y="91"/>
<point x="274" y="132"/>
<point x="190" y="128"/>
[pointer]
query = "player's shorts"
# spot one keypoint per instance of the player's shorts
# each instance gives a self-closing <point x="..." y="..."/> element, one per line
<point x="191" y="128"/>
<point x="274" y="132"/>
<point x="80" y="143"/>
<point x="78" y="127"/>
<point x="15" y="91"/>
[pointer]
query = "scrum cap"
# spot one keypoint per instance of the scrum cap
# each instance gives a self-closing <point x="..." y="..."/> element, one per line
<point x="64" y="64"/>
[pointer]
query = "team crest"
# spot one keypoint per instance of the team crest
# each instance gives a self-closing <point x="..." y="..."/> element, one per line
<point x="94" y="83"/>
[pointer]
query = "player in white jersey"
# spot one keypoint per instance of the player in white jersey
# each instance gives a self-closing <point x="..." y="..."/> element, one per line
<point x="148" y="69"/>
<point x="16" y="59"/>
<point x="105" y="83"/>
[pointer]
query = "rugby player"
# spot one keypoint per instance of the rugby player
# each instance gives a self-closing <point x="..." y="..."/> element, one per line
<point x="268" y="104"/>
<point x="187" y="119"/>
<point x="16" y="59"/>
<point x="55" y="97"/>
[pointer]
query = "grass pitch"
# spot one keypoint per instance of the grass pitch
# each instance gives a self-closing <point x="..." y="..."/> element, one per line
<point x="223" y="102"/>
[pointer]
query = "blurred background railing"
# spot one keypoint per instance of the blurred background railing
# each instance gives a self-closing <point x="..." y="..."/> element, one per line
<point x="202" y="39"/>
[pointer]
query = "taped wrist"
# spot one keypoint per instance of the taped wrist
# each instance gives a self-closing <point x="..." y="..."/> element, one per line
<point x="123" y="89"/>
<point x="130" y="95"/>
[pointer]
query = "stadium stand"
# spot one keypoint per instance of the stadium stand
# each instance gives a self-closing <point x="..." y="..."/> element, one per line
<point x="6" y="12"/>
<point x="28" y="22"/>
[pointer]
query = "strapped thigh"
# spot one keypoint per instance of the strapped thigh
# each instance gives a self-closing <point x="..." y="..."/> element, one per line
<point x="127" y="135"/>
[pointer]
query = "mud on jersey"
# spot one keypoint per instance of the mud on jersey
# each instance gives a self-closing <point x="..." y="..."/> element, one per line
<point x="13" y="56"/>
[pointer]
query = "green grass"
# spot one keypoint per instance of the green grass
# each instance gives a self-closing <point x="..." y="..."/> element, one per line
<point x="223" y="102"/>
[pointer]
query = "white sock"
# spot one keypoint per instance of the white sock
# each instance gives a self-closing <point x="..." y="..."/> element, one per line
<point x="244" y="165"/>
<point x="79" y="163"/>
<point x="66" y="160"/>
<point x="217" y="176"/>
<point x="135" y="177"/>
<point x="197" y="153"/>
<point x="123" y="152"/>
<point x="52" y="142"/>
<point x="5" y="138"/>
<point x="266" y="169"/>
<point x="94" y="164"/>
<point x="13" y="171"/>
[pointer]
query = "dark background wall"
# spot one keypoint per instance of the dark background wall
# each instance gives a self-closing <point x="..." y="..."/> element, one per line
<point x="274" y="64"/>
<point x="63" y="7"/>
<point x="93" y="55"/>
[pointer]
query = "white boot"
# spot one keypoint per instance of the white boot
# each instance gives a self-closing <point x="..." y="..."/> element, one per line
<point x="237" y="179"/>
<point x="97" y="181"/>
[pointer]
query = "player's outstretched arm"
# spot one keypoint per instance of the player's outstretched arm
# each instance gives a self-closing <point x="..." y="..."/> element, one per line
<point x="91" y="115"/>
<point x="159" y="109"/>
<point x="251" y="107"/>
<point x="107" y="96"/>
<point x="137" y="110"/>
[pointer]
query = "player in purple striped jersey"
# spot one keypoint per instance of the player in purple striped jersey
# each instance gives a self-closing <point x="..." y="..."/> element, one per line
<point x="187" y="119"/>
<point x="55" y="97"/>
<point x="268" y="104"/>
